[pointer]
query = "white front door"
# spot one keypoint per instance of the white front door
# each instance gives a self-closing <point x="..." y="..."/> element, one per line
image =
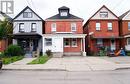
<point x="57" y="44"/>
<point x="113" y="44"/>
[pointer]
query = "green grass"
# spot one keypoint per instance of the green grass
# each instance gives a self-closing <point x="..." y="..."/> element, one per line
<point x="8" y="60"/>
<point x="40" y="60"/>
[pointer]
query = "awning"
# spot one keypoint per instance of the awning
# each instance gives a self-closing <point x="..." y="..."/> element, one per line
<point x="65" y="35"/>
<point x="32" y="35"/>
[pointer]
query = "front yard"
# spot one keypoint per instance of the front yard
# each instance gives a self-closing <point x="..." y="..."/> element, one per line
<point x="8" y="60"/>
<point x="40" y="60"/>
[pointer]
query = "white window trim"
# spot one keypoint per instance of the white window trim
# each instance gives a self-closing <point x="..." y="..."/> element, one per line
<point x="46" y="41"/>
<point x="32" y="29"/>
<point x="128" y="26"/>
<point x="21" y="30"/>
<point x="108" y="25"/>
<point x="127" y="41"/>
<point x="72" y="41"/>
<point x="101" y="41"/>
<point x="73" y="25"/>
<point x="53" y="29"/>
<point x="98" y="26"/>
<point x="103" y="13"/>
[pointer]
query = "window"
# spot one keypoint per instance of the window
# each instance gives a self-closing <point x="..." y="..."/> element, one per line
<point x="128" y="25"/>
<point x="66" y="42"/>
<point x="33" y="27"/>
<point x="99" y="41"/>
<point x="53" y="27"/>
<point x="103" y="14"/>
<point x="73" y="26"/>
<point x="21" y="27"/>
<point x="74" y="42"/>
<point x="97" y="26"/>
<point x="27" y="14"/>
<point x="63" y="13"/>
<point x="48" y="41"/>
<point x="109" y="25"/>
<point x="128" y="41"/>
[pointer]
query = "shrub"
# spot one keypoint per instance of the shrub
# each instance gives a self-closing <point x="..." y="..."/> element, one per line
<point x="14" y="50"/>
<point x="49" y="53"/>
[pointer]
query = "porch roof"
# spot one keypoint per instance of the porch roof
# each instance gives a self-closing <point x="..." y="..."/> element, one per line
<point x="127" y="35"/>
<point x="103" y="37"/>
<point x="25" y="35"/>
<point x="65" y="35"/>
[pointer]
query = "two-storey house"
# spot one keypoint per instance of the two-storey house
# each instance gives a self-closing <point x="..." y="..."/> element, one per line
<point x="64" y="34"/>
<point x="125" y="30"/>
<point x="5" y="42"/>
<point x="28" y="30"/>
<point x="103" y="31"/>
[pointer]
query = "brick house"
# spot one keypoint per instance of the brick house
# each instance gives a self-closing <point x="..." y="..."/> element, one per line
<point x="103" y="31"/>
<point x="4" y="43"/>
<point x="125" y="30"/>
<point x="64" y="34"/>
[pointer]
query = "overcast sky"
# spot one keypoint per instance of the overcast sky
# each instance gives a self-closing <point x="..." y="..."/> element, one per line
<point x="80" y="8"/>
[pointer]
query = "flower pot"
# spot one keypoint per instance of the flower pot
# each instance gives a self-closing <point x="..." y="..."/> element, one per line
<point x="1" y="64"/>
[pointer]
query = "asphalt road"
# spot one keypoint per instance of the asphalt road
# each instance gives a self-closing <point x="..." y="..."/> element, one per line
<point x="63" y="77"/>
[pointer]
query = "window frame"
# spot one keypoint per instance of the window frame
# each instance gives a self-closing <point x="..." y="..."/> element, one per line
<point x="63" y="13"/>
<point x="99" y="41"/>
<point x="110" y="27"/>
<point x="65" y="42"/>
<point x="72" y="40"/>
<point x="98" y="28"/>
<point x="102" y="14"/>
<point x="128" y="41"/>
<point x="23" y="29"/>
<point x="53" y="27"/>
<point x="26" y="14"/>
<point x="33" y="29"/>
<point x="48" y="43"/>
<point x="129" y="26"/>
<point x="73" y="25"/>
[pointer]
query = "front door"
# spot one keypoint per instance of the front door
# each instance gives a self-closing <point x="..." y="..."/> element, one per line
<point x="57" y="45"/>
<point x="113" y="44"/>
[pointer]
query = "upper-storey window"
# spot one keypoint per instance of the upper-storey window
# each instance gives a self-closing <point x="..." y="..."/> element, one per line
<point x="27" y="14"/>
<point x="98" y="26"/>
<point x="128" y="25"/>
<point x="21" y="27"/>
<point x="73" y="26"/>
<point x="103" y="14"/>
<point x="53" y="27"/>
<point x="63" y="13"/>
<point x="109" y="25"/>
<point x="33" y="27"/>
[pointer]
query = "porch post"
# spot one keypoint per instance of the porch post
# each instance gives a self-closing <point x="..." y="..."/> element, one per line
<point x="84" y="53"/>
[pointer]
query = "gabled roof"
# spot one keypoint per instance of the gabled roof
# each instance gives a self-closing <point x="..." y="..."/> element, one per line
<point x="97" y="12"/>
<point x="70" y="16"/>
<point x="124" y="14"/>
<point x="6" y="16"/>
<point x="24" y="10"/>
<point x="63" y="7"/>
<point x="100" y="9"/>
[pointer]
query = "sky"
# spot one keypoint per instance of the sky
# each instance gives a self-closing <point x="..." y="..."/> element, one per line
<point x="80" y="8"/>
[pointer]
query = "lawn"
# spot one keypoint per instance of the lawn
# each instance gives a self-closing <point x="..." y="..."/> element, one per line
<point x="8" y="60"/>
<point x="40" y="60"/>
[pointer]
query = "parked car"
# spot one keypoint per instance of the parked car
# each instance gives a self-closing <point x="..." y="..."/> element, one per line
<point x="1" y="64"/>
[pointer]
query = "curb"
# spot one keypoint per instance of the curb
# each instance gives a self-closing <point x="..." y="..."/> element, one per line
<point x="122" y="68"/>
<point x="35" y="69"/>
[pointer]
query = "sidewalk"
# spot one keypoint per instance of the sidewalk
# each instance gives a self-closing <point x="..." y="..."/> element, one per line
<point x="68" y="64"/>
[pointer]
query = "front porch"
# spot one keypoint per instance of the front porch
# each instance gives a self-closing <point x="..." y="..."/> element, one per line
<point x="65" y="44"/>
<point x="30" y="43"/>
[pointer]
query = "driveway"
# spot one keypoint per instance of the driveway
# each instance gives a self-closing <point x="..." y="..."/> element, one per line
<point x="78" y="63"/>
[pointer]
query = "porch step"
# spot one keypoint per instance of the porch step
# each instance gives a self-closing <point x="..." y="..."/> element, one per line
<point x="72" y="54"/>
<point x="28" y="55"/>
<point x="57" y="54"/>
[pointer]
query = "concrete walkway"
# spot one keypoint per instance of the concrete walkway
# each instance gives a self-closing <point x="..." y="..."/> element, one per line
<point x="66" y="63"/>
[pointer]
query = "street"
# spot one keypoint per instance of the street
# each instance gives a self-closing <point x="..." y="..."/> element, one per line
<point x="64" y="77"/>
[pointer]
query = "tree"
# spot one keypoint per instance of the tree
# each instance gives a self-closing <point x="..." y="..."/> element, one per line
<point x="6" y="29"/>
